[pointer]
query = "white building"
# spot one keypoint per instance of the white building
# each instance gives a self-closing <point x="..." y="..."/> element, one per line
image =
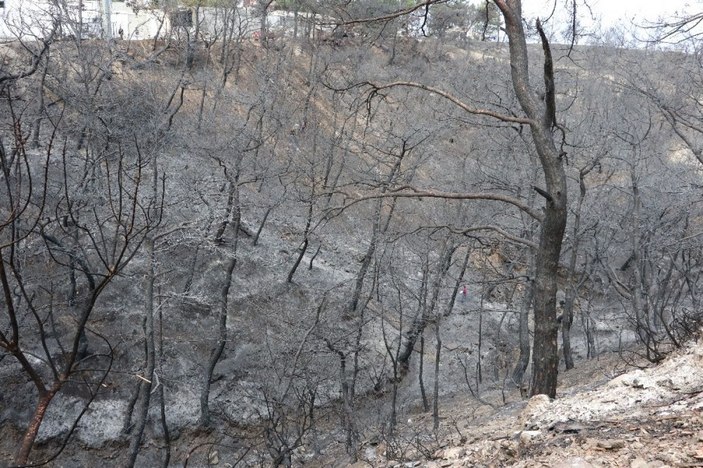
<point x="29" y="19"/>
<point x="135" y="20"/>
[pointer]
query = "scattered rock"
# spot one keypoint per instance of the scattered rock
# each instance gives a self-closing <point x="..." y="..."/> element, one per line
<point x="359" y="464"/>
<point x="577" y="462"/>
<point x="381" y="449"/>
<point x="528" y="438"/>
<point x="641" y="463"/>
<point x="454" y="453"/>
<point x="370" y="454"/>
<point x="536" y="406"/>
<point x="568" y="427"/>
<point x="432" y="464"/>
<point x="614" y="444"/>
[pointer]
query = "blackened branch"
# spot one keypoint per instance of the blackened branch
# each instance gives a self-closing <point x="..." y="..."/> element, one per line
<point x="544" y="193"/>
<point x="550" y="114"/>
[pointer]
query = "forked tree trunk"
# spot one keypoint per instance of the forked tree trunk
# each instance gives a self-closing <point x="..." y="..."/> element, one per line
<point x="425" y="309"/>
<point x="542" y="117"/>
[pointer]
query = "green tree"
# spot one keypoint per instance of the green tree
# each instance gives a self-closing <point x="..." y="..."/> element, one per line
<point x="466" y="20"/>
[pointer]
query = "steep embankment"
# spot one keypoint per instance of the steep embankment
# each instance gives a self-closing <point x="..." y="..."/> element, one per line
<point x="605" y="416"/>
<point x="278" y="151"/>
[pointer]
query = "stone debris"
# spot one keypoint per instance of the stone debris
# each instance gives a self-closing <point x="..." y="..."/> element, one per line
<point x="645" y="418"/>
<point x="576" y="462"/>
<point x="528" y="438"/>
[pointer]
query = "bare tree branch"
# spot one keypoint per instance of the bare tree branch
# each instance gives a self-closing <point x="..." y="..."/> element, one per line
<point x="411" y="192"/>
<point x="500" y="231"/>
<point x="376" y="87"/>
<point x="392" y="15"/>
<point x="677" y="30"/>
<point x="550" y="112"/>
<point x="36" y="58"/>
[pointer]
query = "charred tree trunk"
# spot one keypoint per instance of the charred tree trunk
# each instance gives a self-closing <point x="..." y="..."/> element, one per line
<point x="640" y="304"/>
<point x="421" y="319"/>
<point x="420" y="374"/>
<point x="306" y="241"/>
<point x="36" y="127"/>
<point x="219" y="347"/>
<point x="255" y="241"/>
<point x="457" y="284"/>
<point x="588" y="329"/>
<point x="573" y="286"/>
<point x="524" y="336"/>
<point x="144" y="397"/>
<point x="542" y="117"/>
<point x="435" y="399"/>
<point x="380" y="226"/>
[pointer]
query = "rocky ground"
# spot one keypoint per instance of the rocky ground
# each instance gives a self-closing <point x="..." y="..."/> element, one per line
<point x="608" y="414"/>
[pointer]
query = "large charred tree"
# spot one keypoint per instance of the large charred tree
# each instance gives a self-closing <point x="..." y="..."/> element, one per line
<point x="542" y="115"/>
<point x="539" y="114"/>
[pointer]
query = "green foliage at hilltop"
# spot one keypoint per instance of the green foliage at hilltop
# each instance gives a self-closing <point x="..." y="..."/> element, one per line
<point x="194" y="3"/>
<point x="478" y="22"/>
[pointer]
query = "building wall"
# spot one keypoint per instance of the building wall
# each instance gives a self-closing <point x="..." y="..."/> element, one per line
<point x="28" y="19"/>
<point x="32" y="19"/>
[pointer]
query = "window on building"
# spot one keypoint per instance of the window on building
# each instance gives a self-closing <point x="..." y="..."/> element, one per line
<point x="2" y="3"/>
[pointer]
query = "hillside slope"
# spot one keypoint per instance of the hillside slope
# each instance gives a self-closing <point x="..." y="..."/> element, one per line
<point x="642" y="418"/>
<point x="270" y="169"/>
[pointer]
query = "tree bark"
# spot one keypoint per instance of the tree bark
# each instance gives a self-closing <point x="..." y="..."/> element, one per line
<point x="306" y="240"/>
<point x="573" y="286"/>
<point x="420" y="374"/>
<point x="588" y="327"/>
<point x="144" y="397"/>
<point x="36" y="126"/>
<point x="30" y="435"/>
<point x="524" y="336"/>
<point x="425" y="309"/>
<point x="437" y="356"/>
<point x="219" y="347"/>
<point x="380" y="226"/>
<point x="545" y="357"/>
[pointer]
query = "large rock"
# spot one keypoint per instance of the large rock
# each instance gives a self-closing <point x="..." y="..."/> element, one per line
<point x="530" y="416"/>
